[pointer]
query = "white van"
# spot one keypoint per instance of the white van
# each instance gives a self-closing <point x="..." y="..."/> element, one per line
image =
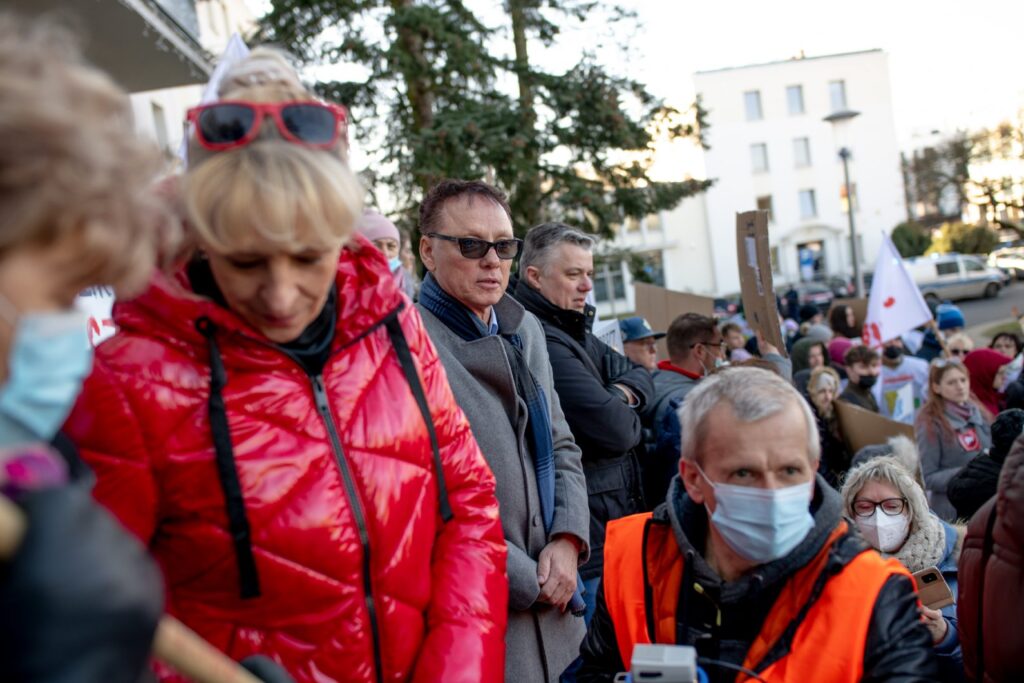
<point x="954" y="276"/>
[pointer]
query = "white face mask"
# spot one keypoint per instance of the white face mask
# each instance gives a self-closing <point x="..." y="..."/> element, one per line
<point x="885" y="532"/>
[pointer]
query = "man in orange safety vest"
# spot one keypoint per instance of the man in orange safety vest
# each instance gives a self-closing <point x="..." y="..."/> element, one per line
<point x="750" y="561"/>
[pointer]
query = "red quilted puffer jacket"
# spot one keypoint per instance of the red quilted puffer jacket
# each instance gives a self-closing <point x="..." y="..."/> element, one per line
<point x="341" y="567"/>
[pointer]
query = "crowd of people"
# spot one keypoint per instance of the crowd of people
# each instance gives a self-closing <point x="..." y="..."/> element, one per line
<point x="334" y="470"/>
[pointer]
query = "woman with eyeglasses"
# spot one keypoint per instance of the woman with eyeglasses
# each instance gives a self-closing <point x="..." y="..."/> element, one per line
<point x="950" y="430"/>
<point x="890" y="510"/>
<point x="274" y="423"/>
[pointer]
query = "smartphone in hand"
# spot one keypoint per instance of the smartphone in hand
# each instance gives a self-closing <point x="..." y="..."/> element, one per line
<point x="932" y="589"/>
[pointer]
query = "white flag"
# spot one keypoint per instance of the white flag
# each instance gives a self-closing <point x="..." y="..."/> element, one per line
<point x="895" y="305"/>
<point x="235" y="52"/>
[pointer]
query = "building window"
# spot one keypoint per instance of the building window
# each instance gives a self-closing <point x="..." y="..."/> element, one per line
<point x="159" y="125"/>
<point x="808" y="207"/>
<point x="774" y="252"/>
<point x="837" y="95"/>
<point x="795" y="99"/>
<point x="632" y="224"/>
<point x="759" y="157"/>
<point x="844" y="202"/>
<point x="764" y="203"/>
<point x="802" y="152"/>
<point x="609" y="282"/>
<point x="653" y="222"/>
<point x="752" y="102"/>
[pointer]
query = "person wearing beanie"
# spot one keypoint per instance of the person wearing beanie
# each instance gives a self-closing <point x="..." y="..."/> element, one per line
<point x="988" y="371"/>
<point x="385" y="236"/>
<point x="978" y="481"/>
<point x="950" y="319"/>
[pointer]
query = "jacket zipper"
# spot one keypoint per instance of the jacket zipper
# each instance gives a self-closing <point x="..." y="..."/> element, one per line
<point x="324" y="408"/>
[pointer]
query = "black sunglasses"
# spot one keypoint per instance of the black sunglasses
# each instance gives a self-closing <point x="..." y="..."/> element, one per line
<point x="470" y="247"/>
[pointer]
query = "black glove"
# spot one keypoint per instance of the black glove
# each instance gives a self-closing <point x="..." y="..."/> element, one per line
<point x="81" y="597"/>
<point x="266" y="669"/>
<point x="615" y="365"/>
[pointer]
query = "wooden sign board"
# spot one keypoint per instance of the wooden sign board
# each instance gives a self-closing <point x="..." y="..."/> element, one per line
<point x="860" y="310"/>
<point x="755" y="267"/>
<point x="660" y="306"/>
<point x="862" y="428"/>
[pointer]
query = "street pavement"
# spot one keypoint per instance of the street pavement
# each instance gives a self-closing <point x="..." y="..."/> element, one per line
<point x="981" y="312"/>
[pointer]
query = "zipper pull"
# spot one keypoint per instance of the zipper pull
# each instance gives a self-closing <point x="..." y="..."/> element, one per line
<point x="320" y="394"/>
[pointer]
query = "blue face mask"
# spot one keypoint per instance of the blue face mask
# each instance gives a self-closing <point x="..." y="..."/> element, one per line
<point x="762" y="524"/>
<point x="50" y="357"/>
<point x="394" y="263"/>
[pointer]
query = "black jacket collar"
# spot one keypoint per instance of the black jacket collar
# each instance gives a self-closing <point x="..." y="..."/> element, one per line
<point x="575" y="324"/>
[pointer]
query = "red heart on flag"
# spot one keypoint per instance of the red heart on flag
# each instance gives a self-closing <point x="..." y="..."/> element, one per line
<point x="888" y="303"/>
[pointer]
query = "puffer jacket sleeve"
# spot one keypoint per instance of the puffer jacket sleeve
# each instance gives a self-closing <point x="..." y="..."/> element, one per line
<point x="465" y="638"/>
<point x="110" y="440"/>
<point x="898" y="647"/>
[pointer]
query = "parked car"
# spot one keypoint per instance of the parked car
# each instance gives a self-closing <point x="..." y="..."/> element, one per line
<point x="817" y="293"/>
<point x="1010" y="259"/>
<point x="841" y="287"/>
<point x="954" y="276"/>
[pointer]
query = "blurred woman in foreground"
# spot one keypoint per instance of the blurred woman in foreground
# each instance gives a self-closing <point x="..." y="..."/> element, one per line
<point x="75" y="211"/>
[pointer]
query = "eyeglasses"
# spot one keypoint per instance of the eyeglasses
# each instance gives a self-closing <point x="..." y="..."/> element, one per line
<point x="470" y="247"/>
<point x="890" y="506"/>
<point x="228" y="124"/>
<point x="958" y="352"/>
<point x="943" y="362"/>
<point x="721" y="344"/>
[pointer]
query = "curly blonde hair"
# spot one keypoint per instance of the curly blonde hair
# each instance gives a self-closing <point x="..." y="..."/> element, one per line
<point x="72" y="171"/>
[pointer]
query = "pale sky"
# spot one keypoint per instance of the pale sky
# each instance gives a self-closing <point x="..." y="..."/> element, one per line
<point x="952" y="63"/>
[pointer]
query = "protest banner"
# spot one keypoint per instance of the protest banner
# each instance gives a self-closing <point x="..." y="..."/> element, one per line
<point x="895" y="305"/>
<point x="755" y="266"/>
<point x="860" y="310"/>
<point x="660" y="306"/>
<point x="864" y="428"/>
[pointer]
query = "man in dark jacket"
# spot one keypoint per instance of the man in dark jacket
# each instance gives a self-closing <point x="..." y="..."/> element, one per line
<point x="601" y="391"/>
<point x="972" y="486"/>
<point x="750" y="560"/>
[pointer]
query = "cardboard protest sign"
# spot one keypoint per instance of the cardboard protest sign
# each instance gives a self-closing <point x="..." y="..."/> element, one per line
<point x="860" y="310"/>
<point x="755" y="266"/>
<point x="864" y="428"/>
<point x="660" y="306"/>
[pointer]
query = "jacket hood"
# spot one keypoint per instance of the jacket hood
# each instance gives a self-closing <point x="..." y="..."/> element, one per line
<point x="690" y="525"/>
<point x="573" y="323"/>
<point x="802" y="350"/>
<point x="169" y="309"/>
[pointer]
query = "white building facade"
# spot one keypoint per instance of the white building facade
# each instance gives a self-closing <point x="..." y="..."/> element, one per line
<point x="160" y="114"/>
<point x="770" y="148"/>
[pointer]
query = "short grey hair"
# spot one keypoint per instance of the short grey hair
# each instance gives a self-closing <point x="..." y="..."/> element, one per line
<point x="543" y="238"/>
<point x="753" y="394"/>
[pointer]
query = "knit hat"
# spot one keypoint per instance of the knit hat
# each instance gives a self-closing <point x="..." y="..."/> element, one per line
<point x="1005" y="430"/>
<point x="819" y="332"/>
<point x="837" y="349"/>
<point x="808" y="311"/>
<point x="374" y="226"/>
<point x="949" y="316"/>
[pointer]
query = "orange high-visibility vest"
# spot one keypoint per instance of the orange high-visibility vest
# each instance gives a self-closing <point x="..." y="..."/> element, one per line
<point x="643" y="574"/>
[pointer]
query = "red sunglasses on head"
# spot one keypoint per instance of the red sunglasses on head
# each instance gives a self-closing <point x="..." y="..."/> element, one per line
<point x="234" y="123"/>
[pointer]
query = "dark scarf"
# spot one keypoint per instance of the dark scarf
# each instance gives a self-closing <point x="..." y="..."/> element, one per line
<point x="469" y="327"/>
